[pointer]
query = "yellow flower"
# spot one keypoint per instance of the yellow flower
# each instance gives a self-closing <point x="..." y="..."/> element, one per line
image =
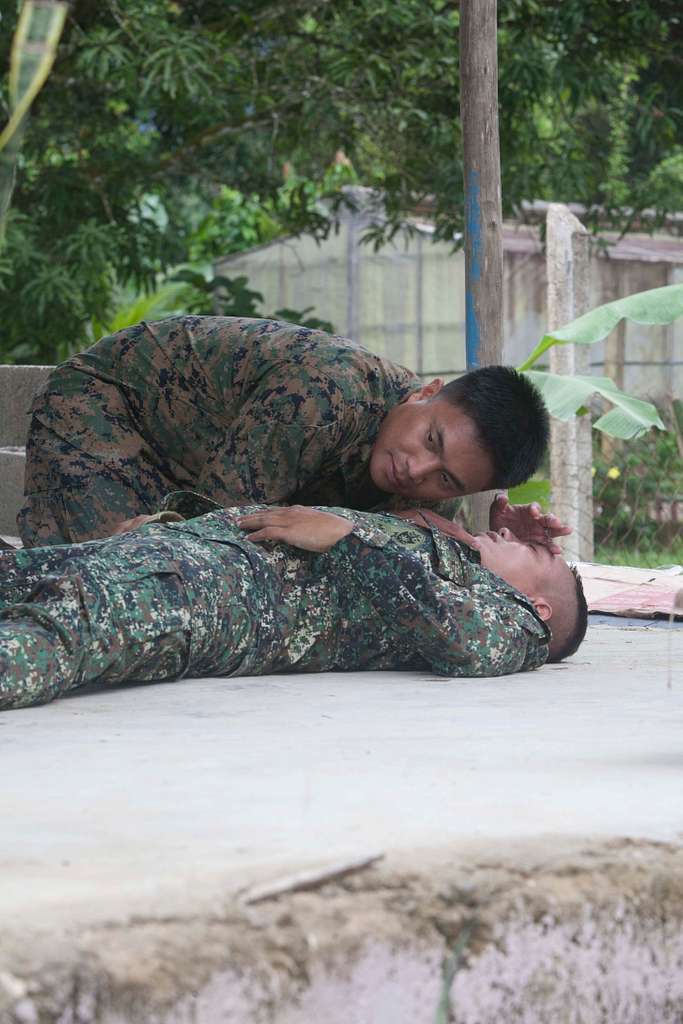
<point x="593" y="470"/>
<point x="614" y="472"/>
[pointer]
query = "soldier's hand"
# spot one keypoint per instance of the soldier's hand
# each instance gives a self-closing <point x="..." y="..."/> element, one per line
<point x="167" y="516"/>
<point x="131" y="524"/>
<point x="528" y="523"/>
<point x="298" y="525"/>
<point x="447" y="526"/>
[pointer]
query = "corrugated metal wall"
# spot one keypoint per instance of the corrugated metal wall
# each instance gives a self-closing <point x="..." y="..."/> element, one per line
<point x="407" y="300"/>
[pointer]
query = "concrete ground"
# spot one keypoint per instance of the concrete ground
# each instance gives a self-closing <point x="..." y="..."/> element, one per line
<point x="528" y="824"/>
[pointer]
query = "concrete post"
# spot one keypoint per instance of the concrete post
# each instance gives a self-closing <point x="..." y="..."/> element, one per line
<point x="570" y="443"/>
<point x="18" y="385"/>
<point x="616" y="279"/>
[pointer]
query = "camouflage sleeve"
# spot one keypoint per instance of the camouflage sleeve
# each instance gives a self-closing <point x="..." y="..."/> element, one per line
<point x="188" y="504"/>
<point x="459" y="631"/>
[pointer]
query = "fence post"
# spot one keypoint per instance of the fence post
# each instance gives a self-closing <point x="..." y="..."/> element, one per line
<point x="571" y="457"/>
<point x="483" y="216"/>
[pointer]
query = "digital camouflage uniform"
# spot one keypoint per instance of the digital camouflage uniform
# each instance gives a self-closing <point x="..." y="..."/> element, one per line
<point x="241" y="410"/>
<point x="199" y="598"/>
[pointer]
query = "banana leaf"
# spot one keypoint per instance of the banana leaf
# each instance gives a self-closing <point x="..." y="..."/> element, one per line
<point x="34" y="48"/>
<point x="155" y="306"/>
<point x="565" y="396"/>
<point x="531" y="490"/>
<point x="656" y="306"/>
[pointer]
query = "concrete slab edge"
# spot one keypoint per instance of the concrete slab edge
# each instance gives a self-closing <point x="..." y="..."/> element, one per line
<point x="591" y="933"/>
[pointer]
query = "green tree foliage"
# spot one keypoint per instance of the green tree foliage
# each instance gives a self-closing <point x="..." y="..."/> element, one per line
<point x="34" y="47"/>
<point x="159" y="113"/>
<point x="606" y="90"/>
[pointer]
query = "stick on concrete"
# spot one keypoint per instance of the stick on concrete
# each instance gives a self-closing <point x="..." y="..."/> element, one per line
<point x="305" y="880"/>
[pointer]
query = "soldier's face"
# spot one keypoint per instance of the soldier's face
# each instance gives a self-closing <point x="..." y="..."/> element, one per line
<point x="528" y="567"/>
<point x="429" y="450"/>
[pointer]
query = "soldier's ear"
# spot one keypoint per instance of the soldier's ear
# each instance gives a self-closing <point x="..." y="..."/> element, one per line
<point x="543" y="607"/>
<point x="429" y="390"/>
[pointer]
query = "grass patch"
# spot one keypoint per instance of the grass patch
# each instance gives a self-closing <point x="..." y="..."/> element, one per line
<point x="647" y="558"/>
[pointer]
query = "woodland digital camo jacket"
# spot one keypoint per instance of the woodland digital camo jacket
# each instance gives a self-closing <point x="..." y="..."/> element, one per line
<point x="199" y="598"/>
<point x="241" y="410"/>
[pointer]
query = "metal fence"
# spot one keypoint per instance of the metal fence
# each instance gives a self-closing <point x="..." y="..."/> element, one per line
<point x="407" y="301"/>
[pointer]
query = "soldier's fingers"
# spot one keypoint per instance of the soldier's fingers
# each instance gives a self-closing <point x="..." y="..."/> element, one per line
<point x="554" y="526"/>
<point x="253" y="517"/>
<point x="257" y="519"/>
<point x="269" y="533"/>
<point x="131" y="524"/>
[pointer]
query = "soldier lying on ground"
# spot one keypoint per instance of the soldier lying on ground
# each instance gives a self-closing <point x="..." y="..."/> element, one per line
<point x="257" y="411"/>
<point x="256" y="591"/>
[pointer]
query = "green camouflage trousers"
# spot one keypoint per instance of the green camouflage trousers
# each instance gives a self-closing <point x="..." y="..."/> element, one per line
<point x="72" y="615"/>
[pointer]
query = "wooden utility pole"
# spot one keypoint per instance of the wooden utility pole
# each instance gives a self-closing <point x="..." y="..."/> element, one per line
<point x="483" y="208"/>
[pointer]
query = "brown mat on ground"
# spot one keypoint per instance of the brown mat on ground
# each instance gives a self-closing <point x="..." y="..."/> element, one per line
<point x="626" y="590"/>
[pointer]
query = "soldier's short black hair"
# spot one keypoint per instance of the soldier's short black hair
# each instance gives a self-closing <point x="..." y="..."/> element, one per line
<point x="510" y="416"/>
<point x="570" y="644"/>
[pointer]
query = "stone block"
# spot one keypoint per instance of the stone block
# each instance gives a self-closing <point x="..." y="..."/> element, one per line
<point x="18" y="385"/>
<point x="12" y="464"/>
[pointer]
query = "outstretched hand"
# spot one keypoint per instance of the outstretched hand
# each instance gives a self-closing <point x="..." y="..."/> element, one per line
<point x="528" y="523"/>
<point x="298" y="525"/>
